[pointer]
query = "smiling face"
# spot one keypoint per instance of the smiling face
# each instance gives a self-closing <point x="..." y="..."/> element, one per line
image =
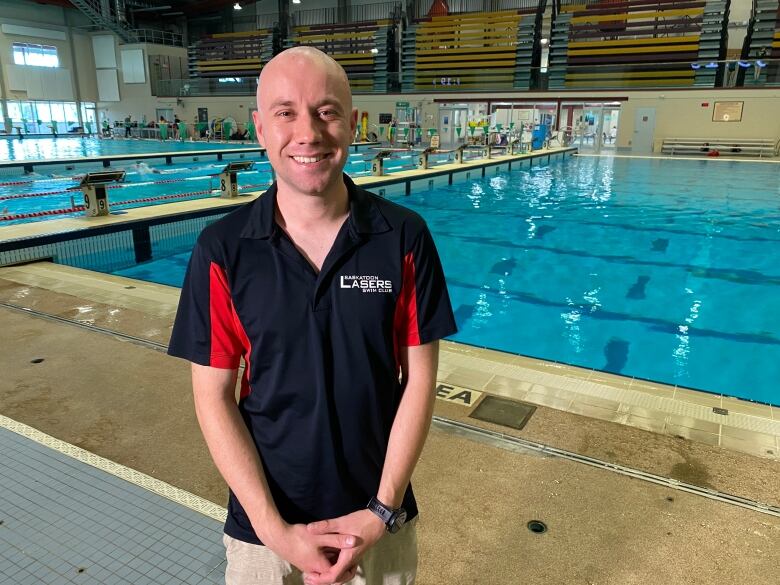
<point x="305" y="121"/>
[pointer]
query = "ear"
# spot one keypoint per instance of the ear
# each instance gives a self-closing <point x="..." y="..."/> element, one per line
<point x="258" y="128"/>
<point x="353" y="121"/>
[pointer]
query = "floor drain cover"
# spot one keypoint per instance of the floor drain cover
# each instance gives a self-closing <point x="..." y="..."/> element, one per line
<point x="503" y="411"/>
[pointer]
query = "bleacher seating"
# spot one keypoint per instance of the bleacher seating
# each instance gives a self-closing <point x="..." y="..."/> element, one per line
<point x="728" y="147"/>
<point x="478" y="50"/>
<point x="637" y="43"/>
<point x="231" y="54"/>
<point x="360" y="47"/>
<point x="762" y="42"/>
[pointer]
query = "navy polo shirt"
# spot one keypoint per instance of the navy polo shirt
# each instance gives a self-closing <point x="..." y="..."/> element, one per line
<point x="320" y="389"/>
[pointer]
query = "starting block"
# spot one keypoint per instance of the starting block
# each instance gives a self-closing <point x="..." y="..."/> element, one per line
<point x="378" y="164"/>
<point x="228" y="185"/>
<point x="422" y="160"/>
<point x="93" y="185"/>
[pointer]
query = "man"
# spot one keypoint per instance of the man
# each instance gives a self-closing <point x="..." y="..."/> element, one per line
<point x="328" y="292"/>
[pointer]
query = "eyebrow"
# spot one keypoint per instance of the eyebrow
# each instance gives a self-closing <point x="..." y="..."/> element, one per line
<point x="326" y="101"/>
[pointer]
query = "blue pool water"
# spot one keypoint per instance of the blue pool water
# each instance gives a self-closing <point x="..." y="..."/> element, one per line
<point x="665" y="270"/>
<point x="71" y="147"/>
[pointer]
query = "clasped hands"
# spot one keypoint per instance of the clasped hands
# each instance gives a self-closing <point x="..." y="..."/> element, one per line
<point x="329" y="551"/>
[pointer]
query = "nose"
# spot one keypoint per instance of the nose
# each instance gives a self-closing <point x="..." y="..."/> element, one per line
<point x="308" y="129"/>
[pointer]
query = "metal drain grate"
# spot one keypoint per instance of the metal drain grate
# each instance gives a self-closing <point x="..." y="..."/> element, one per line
<point x="503" y="411"/>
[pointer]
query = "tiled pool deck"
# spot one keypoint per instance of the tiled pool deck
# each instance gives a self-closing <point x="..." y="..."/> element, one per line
<point x="66" y="519"/>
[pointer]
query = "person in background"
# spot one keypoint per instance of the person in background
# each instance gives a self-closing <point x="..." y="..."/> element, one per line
<point x="336" y="299"/>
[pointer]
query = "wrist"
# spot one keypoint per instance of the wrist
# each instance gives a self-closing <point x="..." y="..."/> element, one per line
<point x="270" y="528"/>
<point x="389" y="498"/>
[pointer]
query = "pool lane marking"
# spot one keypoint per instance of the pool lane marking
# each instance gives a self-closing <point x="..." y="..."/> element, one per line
<point x="700" y="158"/>
<point x="457" y="394"/>
<point x="149" y="483"/>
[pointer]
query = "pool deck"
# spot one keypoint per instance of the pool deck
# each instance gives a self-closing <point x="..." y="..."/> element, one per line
<point x="638" y="482"/>
<point x="674" y="504"/>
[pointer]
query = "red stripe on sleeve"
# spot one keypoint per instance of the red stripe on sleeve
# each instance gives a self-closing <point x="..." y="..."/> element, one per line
<point x="228" y="340"/>
<point x="405" y="326"/>
<point x="245" y="387"/>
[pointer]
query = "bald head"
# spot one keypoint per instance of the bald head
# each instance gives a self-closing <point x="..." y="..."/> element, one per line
<point x="302" y="62"/>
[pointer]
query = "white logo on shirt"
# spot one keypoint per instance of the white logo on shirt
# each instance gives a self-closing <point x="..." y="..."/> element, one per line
<point x="367" y="283"/>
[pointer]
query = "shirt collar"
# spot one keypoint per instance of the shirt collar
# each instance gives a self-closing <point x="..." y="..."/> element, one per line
<point x="364" y="215"/>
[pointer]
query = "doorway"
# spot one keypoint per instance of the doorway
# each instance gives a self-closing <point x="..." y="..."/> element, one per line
<point x="452" y="125"/>
<point x="591" y="127"/>
<point x="644" y="129"/>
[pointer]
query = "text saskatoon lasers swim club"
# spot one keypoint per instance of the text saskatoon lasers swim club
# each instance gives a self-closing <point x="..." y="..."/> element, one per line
<point x="367" y="284"/>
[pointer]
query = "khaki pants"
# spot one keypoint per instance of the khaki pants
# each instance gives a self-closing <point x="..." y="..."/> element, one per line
<point x="392" y="561"/>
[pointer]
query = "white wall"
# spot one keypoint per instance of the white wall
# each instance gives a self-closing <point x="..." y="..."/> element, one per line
<point x="683" y="114"/>
<point x="74" y="79"/>
<point x="136" y="99"/>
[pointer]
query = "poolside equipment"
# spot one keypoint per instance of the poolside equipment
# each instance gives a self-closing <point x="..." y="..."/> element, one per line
<point x="93" y="185"/>
<point x="377" y="163"/>
<point x="422" y="159"/>
<point x="364" y="127"/>
<point x="228" y="185"/>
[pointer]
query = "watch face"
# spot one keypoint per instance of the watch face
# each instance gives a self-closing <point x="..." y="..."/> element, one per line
<point x="397" y="522"/>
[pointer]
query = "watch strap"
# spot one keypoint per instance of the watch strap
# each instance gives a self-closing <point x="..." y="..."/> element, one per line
<point x="378" y="508"/>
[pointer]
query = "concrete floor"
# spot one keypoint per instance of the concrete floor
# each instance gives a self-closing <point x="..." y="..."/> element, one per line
<point x="130" y="403"/>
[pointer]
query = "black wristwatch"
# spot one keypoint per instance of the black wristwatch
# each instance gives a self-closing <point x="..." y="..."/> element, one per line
<point x="393" y="519"/>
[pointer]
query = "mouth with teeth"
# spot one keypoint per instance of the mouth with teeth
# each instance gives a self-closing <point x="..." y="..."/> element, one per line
<point x="309" y="160"/>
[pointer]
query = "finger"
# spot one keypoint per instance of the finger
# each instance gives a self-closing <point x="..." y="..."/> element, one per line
<point x="338" y="541"/>
<point x="322" y="527"/>
<point x="330" y="576"/>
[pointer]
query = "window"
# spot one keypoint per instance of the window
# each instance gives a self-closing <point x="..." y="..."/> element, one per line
<point x="35" y="55"/>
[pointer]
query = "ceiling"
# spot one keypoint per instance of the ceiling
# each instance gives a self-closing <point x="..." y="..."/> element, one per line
<point x="149" y="10"/>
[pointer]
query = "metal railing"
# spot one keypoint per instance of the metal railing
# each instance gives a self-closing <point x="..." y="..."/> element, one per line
<point x="422" y="7"/>
<point x="358" y="13"/>
<point x="202" y="87"/>
<point x="101" y="15"/>
<point x="264" y="21"/>
<point x="159" y="37"/>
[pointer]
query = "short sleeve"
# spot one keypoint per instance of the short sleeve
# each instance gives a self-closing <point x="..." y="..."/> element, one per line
<point x="207" y="330"/>
<point x="423" y="310"/>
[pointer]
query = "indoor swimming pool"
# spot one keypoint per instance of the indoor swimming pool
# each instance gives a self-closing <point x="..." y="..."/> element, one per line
<point x="664" y="270"/>
<point x="153" y="182"/>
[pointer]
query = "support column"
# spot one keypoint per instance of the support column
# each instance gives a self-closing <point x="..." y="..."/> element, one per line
<point x="284" y="21"/>
<point x="345" y="11"/>
<point x="3" y="100"/>
<point x="74" y="71"/>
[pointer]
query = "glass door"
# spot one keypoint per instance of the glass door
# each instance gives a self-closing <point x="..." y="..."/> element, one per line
<point x="591" y="127"/>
